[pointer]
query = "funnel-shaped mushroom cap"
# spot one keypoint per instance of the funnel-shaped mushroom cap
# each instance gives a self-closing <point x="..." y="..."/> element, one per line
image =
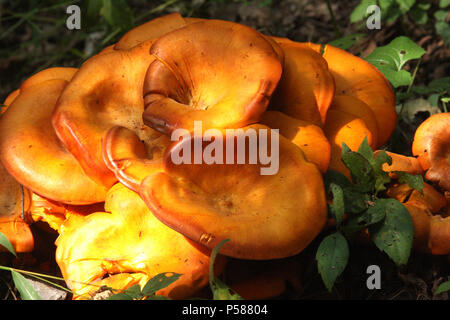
<point x="13" y="201"/>
<point x="106" y="92"/>
<point x="432" y="147"/>
<point x="400" y="163"/>
<point x="128" y="239"/>
<point x="150" y="30"/>
<point x="131" y="159"/>
<point x="355" y="77"/>
<point x="359" y="109"/>
<point x="223" y="76"/>
<point x="306" y="87"/>
<point x="307" y="136"/>
<point x="344" y="127"/>
<point x="61" y="73"/>
<point x="266" y="215"/>
<point x="433" y="199"/>
<point x="32" y="153"/>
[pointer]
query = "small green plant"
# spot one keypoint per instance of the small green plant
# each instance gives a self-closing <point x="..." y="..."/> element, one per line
<point x="387" y="220"/>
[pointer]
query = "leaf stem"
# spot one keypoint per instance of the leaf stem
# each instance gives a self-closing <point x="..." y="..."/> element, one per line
<point x="337" y="32"/>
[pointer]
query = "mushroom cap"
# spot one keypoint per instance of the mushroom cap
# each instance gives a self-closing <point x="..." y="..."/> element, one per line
<point x="307" y="136"/>
<point x="61" y="73"/>
<point x="359" y="109"/>
<point x="344" y="127"/>
<point x="355" y="77"/>
<point x="431" y="229"/>
<point x="32" y="153"/>
<point x="306" y="87"/>
<point x="14" y="200"/>
<point x="128" y="239"/>
<point x="264" y="216"/>
<point x="98" y="98"/>
<point x="131" y="159"/>
<point x="400" y="163"/>
<point x="224" y="77"/>
<point x="431" y="145"/>
<point x="150" y="30"/>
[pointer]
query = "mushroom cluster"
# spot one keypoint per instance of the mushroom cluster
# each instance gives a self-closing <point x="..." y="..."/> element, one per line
<point x="90" y="151"/>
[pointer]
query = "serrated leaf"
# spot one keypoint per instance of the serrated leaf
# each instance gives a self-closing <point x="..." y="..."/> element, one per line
<point x="332" y="257"/>
<point x="159" y="282"/>
<point x="414" y="181"/>
<point x="393" y="235"/>
<point x="4" y="242"/>
<point x="361" y="221"/>
<point x="348" y="41"/>
<point x="360" y="169"/>
<point x="120" y="296"/>
<point x="391" y="58"/>
<point x="26" y="290"/>
<point x="365" y="150"/>
<point x="333" y="176"/>
<point x="443" y="287"/>
<point x="219" y="289"/>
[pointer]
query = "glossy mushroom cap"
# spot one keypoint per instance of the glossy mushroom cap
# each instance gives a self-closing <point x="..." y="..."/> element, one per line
<point x="32" y="153"/>
<point x="106" y="92"/>
<point x="306" y="88"/>
<point x="307" y="136"/>
<point x="344" y="127"/>
<point x="357" y="78"/>
<point x="265" y="216"/>
<point x="432" y="147"/>
<point x="224" y="76"/>
<point x="128" y="245"/>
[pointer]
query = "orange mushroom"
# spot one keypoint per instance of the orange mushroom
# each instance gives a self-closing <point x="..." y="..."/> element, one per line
<point x="106" y="92"/>
<point x="431" y="145"/>
<point x="13" y="203"/>
<point x="307" y="136"/>
<point x="344" y="127"/>
<point x="224" y="77"/>
<point x="127" y="245"/>
<point x="400" y="163"/>
<point x="359" y="109"/>
<point x="431" y="229"/>
<point x="150" y="30"/>
<point x="131" y="159"/>
<point x="9" y="100"/>
<point x="357" y="78"/>
<point x="265" y="216"/>
<point x="32" y="153"/>
<point x="306" y="88"/>
<point x="61" y="73"/>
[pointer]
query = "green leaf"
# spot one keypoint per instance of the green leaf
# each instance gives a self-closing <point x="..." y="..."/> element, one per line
<point x="4" y="242"/>
<point x="219" y="289"/>
<point x="332" y="257"/>
<point x="365" y="150"/>
<point x="442" y="26"/>
<point x="159" y="282"/>
<point x="333" y="176"/>
<point x="117" y="13"/>
<point x="120" y="296"/>
<point x="26" y="290"/>
<point x="360" y="169"/>
<point x="337" y="208"/>
<point x="348" y="41"/>
<point x="391" y="58"/>
<point x="444" y="3"/>
<point x="360" y="11"/>
<point x="443" y="287"/>
<point x="372" y="215"/>
<point x="414" y="181"/>
<point x="393" y="235"/>
<point x="441" y="85"/>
